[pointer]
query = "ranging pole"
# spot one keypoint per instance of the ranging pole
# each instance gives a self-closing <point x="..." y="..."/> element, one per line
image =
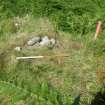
<point x="98" y="30"/>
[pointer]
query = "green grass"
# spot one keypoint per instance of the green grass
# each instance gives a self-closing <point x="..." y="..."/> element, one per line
<point x="56" y="84"/>
<point x="13" y="95"/>
<point x="46" y="82"/>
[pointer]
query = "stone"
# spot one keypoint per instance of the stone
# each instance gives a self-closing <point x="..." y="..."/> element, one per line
<point x="18" y="48"/>
<point x="52" y="40"/>
<point x="45" y="41"/>
<point x="33" y="41"/>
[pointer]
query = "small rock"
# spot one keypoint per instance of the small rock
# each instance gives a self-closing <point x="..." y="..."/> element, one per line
<point x="52" y="41"/>
<point x="18" y="48"/>
<point x="16" y="24"/>
<point x="45" y="41"/>
<point x="34" y="40"/>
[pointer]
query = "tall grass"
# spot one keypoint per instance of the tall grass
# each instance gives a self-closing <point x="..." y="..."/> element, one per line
<point x="65" y="13"/>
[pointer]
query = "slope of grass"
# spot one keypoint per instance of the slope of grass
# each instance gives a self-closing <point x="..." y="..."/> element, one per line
<point x="11" y="94"/>
<point x="55" y="81"/>
<point x="64" y="13"/>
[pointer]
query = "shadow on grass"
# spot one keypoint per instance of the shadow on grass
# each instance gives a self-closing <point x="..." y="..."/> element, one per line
<point x="99" y="99"/>
<point x="76" y="100"/>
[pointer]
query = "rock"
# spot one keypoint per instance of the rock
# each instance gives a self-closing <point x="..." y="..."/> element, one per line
<point x="41" y="41"/>
<point x="45" y="41"/>
<point x="52" y="41"/>
<point x="18" y="48"/>
<point x="34" y="40"/>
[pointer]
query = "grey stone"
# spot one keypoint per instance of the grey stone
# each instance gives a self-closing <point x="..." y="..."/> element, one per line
<point x="45" y="41"/>
<point x="33" y="41"/>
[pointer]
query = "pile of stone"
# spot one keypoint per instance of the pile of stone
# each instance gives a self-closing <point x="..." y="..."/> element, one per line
<point x="41" y="41"/>
<point x="37" y="41"/>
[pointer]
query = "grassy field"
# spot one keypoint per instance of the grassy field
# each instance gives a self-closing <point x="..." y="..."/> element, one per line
<point x="73" y="80"/>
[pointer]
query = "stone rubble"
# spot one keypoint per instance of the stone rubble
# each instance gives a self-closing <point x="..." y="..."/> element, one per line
<point x="37" y="42"/>
<point x="42" y="41"/>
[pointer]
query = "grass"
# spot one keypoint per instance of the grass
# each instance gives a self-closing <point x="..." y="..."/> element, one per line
<point x="46" y="81"/>
<point x="52" y="81"/>
<point x="12" y="94"/>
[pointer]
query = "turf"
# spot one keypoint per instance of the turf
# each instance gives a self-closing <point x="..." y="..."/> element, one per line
<point x="72" y="80"/>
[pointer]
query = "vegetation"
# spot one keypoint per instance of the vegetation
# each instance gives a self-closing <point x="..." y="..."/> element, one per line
<point x="57" y="81"/>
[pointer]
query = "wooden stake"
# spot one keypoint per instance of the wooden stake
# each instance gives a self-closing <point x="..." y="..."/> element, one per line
<point x="30" y="57"/>
<point x="40" y="57"/>
<point x="98" y="30"/>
